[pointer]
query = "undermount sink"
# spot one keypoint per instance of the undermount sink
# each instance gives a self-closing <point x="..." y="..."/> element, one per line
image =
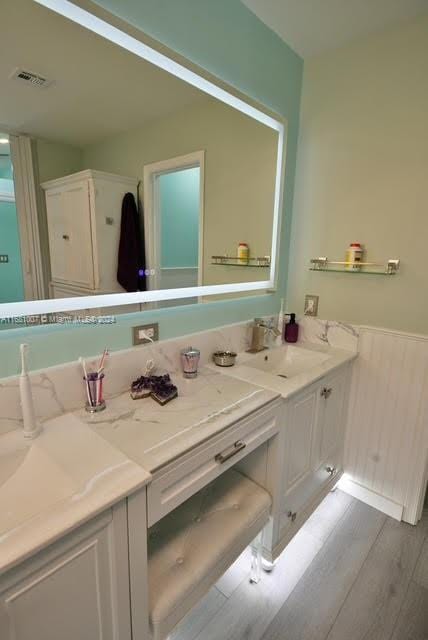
<point x="13" y="452"/>
<point x="288" y="361"/>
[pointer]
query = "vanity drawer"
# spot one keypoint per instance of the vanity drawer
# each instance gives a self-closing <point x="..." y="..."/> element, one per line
<point x="182" y="478"/>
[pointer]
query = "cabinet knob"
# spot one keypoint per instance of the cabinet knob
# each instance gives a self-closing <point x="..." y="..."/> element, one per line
<point x="326" y="392"/>
<point x="65" y="237"/>
<point x="292" y="515"/>
<point x="331" y="470"/>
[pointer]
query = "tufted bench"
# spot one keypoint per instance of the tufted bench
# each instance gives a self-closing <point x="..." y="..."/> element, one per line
<point x="191" y="547"/>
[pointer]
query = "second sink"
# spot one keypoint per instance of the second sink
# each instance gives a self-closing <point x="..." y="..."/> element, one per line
<point x="288" y="361"/>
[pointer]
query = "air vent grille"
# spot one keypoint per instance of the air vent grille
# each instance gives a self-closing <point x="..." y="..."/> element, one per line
<point x="30" y="78"/>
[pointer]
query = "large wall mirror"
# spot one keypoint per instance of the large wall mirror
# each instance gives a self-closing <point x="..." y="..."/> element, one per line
<point x="120" y="178"/>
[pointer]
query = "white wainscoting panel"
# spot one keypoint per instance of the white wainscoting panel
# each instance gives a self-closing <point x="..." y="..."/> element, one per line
<point x="387" y="432"/>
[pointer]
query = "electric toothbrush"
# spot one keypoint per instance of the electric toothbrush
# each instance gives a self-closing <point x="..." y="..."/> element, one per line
<point x="31" y="426"/>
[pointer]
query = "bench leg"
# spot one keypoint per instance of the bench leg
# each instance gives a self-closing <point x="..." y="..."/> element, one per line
<point x="256" y="560"/>
<point x="268" y="566"/>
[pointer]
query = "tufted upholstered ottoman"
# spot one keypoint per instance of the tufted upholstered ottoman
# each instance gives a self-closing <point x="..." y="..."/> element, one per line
<point x="191" y="547"/>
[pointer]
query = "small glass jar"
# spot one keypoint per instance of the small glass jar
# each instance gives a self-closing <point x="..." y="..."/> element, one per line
<point x="243" y="253"/>
<point x="354" y="256"/>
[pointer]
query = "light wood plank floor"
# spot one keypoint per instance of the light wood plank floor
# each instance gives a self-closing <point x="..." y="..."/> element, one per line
<point x="350" y="573"/>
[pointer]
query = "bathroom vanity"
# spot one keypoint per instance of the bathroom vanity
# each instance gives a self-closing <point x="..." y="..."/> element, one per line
<point x="314" y="385"/>
<point x="78" y="503"/>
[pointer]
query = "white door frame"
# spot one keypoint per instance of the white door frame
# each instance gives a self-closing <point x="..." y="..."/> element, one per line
<point x="26" y="198"/>
<point x="152" y="222"/>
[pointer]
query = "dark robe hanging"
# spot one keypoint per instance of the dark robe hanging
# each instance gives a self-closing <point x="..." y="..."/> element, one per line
<point x="131" y="259"/>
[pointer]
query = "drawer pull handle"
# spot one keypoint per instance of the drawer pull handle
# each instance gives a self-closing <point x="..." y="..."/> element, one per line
<point x="66" y="236"/>
<point x="223" y="457"/>
<point x="331" y="470"/>
<point x="292" y="515"/>
<point x="326" y="392"/>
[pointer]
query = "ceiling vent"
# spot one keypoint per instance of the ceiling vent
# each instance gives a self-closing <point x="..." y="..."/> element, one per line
<point x="30" y="78"/>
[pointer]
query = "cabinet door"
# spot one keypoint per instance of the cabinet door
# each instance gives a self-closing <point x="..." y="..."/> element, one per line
<point x="70" y="593"/>
<point x="301" y="420"/>
<point x="332" y="415"/>
<point x="70" y="235"/>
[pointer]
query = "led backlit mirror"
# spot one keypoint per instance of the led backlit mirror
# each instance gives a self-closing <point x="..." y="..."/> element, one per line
<point x="118" y="177"/>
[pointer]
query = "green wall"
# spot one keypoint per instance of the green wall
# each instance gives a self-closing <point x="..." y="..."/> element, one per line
<point x="362" y="177"/>
<point x="5" y="168"/>
<point x="11" y="283"/>
<point x="226" y="39"/>
<point x="179" y="214"/>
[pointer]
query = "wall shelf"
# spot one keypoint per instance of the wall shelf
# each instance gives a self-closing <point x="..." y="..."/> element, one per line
<point x="363" y="268"/>
<point x="232" y="261"/>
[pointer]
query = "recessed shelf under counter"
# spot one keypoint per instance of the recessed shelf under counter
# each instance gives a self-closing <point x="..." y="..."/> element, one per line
<point x="365" y="268"/>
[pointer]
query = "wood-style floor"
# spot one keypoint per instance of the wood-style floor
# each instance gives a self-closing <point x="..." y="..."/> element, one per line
<point x="351" y="573"/>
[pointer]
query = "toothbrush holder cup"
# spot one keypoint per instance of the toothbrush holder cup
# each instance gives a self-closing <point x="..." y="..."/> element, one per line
<point x="94" y="392"/>
<point x="190" y="362"/>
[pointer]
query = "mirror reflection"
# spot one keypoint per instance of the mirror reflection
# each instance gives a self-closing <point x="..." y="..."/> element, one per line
<point x="117" y="176"/>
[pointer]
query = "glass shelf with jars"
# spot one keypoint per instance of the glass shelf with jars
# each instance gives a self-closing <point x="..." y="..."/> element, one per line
<point x="391" y="267"/>
<point x="234" y="261"/>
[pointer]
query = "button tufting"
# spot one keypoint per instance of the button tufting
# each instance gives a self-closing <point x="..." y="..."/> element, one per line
<point x="236" y="506"/>
<point x="180" y="560"/>
<point x="197" y="519"/>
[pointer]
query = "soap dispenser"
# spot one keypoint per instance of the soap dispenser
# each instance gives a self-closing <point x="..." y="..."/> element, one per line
<point x="291" y="333"/>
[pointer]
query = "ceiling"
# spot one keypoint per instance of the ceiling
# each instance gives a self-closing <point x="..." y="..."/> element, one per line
<point x="99" y="89"/>
<point x="311" y="27"/>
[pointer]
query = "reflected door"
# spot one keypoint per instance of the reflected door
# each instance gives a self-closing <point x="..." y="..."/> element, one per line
<point x="11" y="276"/>
<point x="178" y="211"/>
<point x="174" y="221"/>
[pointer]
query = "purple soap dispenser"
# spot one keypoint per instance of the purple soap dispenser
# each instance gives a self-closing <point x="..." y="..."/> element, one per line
<point x="291" y="332"/>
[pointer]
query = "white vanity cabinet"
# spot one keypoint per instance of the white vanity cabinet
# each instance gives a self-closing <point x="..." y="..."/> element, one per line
<point x="76" y="589"/>
<point x="83" y="216"/>
<point x="313" y="432"/>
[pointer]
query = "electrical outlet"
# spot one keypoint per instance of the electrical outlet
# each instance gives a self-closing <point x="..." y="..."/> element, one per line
<point x="4" y="258"/>
<point x="311" y="305"/>
<point x="145" y="333"/>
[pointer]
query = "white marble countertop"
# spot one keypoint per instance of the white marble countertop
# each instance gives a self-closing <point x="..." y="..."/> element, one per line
<point x="153" y="436"/>
<point x="64" y="477"/>
<point x="82" y="463"/>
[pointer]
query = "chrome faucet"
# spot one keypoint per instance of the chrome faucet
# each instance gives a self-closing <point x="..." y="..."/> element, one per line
<point x="262" y="329"/>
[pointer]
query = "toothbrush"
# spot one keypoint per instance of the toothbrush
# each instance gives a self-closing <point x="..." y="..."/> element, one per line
<point x="85" y="373"/>
<point x="103" y="358"/>
<point x="31" y="427"/>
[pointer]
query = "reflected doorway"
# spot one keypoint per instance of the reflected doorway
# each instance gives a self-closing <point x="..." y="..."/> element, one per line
<point x="173" y="215"/>
<point x="11" y="273"/>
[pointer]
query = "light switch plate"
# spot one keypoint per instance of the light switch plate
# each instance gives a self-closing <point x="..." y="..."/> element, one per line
<point x="145" y="333"/>
<point x="311" y="305"/>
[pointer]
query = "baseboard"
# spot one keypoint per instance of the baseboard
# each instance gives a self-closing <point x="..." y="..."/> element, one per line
<point x="387" y="506"/>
